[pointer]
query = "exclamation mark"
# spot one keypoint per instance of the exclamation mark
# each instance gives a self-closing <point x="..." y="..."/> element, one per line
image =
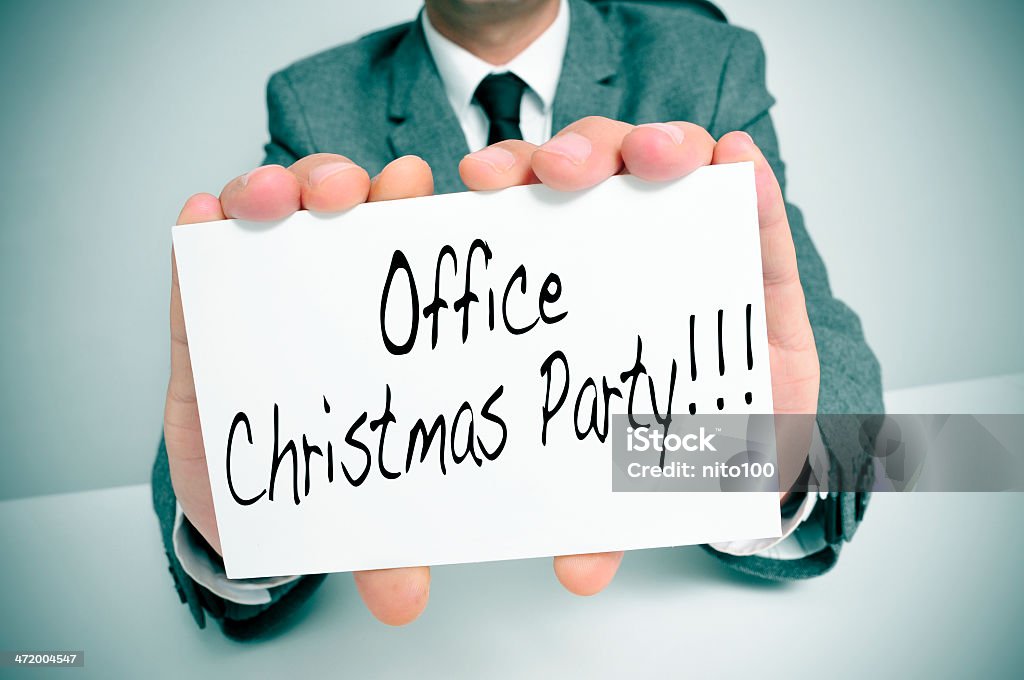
<point x="693" y="358"/>
<point x="748" y="397"/>
<point x="693" y="349"/>
<point x="721" y="355"/>
<point x="721" y="351"/>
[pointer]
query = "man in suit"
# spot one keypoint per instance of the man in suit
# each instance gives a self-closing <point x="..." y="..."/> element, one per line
<point x="486" y="94"/>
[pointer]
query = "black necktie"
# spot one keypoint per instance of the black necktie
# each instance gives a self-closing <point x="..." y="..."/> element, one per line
<point x="500" y="96"/>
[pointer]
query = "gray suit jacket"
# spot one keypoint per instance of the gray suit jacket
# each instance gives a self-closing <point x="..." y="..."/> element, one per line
<point x="380" y="97"/>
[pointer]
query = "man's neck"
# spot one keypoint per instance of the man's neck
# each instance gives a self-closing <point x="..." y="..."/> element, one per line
<point x="494" y="31"/>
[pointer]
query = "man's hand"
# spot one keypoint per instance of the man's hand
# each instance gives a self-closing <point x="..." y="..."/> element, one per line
<point x="592" y="150"/>
<point x="321" y="182"/>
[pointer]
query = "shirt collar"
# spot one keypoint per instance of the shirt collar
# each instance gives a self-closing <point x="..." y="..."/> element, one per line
<point x="539" y="65"/>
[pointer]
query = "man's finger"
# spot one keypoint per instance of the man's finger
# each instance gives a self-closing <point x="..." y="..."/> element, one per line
<point x="395" y="596"/>
<point x="199" y="208"/>
<point x="582" y="155"/>
<point x="269" y="192"/>
<point x="664" y="151"/>
<point x="501" y="165"/>
<point x="330" y="183"/>
<point x="785" y="307"/>
<point x="587" y="574"/>
<point x="181" y="418"/>
<point x="405" y="177"/>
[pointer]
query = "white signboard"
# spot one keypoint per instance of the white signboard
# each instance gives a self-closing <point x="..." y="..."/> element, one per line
<point x="431" y="381"/>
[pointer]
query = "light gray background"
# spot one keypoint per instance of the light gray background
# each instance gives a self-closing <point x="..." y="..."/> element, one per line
<point x="900" y="123"/>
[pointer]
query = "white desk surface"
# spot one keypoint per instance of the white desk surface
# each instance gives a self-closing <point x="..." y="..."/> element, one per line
<point x="930" y="587"/>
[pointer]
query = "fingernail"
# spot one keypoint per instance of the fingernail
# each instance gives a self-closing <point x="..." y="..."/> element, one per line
<point x="244" y="179"/>
<point x="747" y="135"/>
<point x="571" y="145"/>
<point x="674" y="132"/>
<point x="321" y="172"/>
<point x="500" y="160"/>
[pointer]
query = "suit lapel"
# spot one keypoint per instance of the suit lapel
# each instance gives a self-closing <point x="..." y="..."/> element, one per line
<point x="424" y="123"/>
<point x="587" y="86"/>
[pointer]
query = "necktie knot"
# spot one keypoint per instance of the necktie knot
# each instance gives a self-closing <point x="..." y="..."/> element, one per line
<point x="500" y="96"/>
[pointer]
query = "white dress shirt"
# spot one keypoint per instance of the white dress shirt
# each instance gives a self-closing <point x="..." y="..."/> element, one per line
<point x="539" y="66"/>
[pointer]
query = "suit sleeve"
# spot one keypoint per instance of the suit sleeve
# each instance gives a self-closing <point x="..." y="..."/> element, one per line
<point x="289" y="140"/>
<point x="238" y="621"/>
<point x="850" y="376"/>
